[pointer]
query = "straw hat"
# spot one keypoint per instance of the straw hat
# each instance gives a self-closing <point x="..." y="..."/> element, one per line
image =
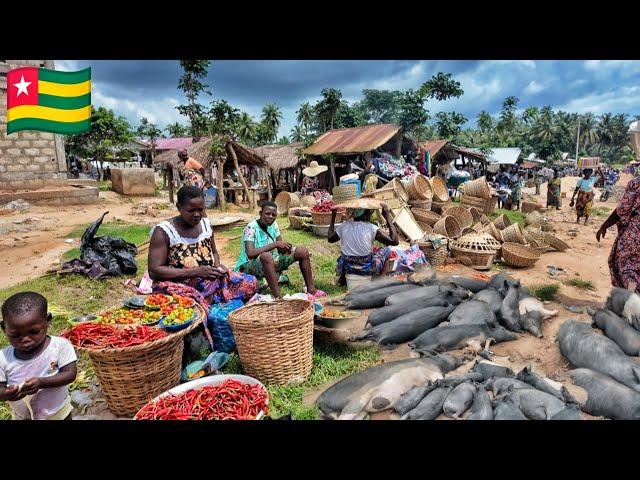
<point x="314" y="169"/>
<point x="362" y="202"/>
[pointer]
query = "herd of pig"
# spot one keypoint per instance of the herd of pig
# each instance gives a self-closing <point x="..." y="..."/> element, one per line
<point x="455" y="312"/>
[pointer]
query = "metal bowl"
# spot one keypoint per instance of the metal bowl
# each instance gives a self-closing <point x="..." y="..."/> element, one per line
<point x="84" y="318"/>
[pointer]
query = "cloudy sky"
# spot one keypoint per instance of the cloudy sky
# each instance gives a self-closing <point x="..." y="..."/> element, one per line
<point x="138" y="89"/>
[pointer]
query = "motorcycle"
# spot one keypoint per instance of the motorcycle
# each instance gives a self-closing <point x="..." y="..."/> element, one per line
<point x="607" y="191"/>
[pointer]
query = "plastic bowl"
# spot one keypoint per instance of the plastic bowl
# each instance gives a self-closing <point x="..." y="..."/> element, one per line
<point x="318" y="308"/>
<point x="332" y="322"/>
<point x="135" y="302"/>
<point x="82" y="319"/>
<point x="176" y="328"/>
<point x="212" y="380"/>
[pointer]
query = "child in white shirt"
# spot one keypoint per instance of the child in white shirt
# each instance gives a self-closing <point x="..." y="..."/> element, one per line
<point x="36" y="368"/>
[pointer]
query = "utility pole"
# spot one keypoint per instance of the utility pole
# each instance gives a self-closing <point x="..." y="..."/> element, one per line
<point x="577" y="141"/>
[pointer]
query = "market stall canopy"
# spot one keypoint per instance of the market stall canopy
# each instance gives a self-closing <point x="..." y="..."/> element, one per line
<point x="450" y="150"/>
<point x="200" y="151"/>
<point x="527" y="165"/>
<point x="504" y="156"/>
<point x="353" y="140"/>
<point x="280" y="157"/>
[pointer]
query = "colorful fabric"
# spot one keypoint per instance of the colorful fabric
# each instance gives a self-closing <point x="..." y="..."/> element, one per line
<point x="553" y="192"/>
<point x="309" y="185"/>
<point x="624" y="260"/>
<point x="407" y="259"/>
<point x="586" y="185"/>
<point x="253" y="233"/>
<point x="584" y="202"/>
<point x="48" y="100"/>
<point x="371" y="264"/>
<point x="391" y="167"/>
<point x="189" y="252"/>
<point x="254" y="267"/>
<point x="190" y="177"/>
<point x="516" y="191"/>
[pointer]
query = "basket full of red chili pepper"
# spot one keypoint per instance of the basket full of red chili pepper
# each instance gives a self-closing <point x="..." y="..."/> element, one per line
<point x="133" y="363"/>
<point x="220" y="397"/>
<point x="321" y="213"/>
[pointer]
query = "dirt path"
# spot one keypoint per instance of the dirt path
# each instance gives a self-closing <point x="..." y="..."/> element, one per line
<point x="32" y="242"/>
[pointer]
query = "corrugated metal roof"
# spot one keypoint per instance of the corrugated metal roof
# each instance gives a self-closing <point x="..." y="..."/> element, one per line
<point x="352" y="140"/>
<point x="504" y="156"/>
<point x="433" y="146"/>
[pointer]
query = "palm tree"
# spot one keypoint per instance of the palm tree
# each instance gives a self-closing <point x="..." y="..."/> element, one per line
<point x="297" y="135"/>
<point x="588" y="130"/>
<point x="605" y="131"/>
<point x="485" y="122"/>
<point x="246" y="129"/>
<point x="271" y="116"/>
<point x="305" y="117"/>
<point x="284" y="140"/>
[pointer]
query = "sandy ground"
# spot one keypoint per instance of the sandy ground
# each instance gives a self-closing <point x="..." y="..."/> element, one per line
<point x="32" y="242"/>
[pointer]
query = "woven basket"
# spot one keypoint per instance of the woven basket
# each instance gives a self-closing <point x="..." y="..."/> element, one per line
<point x="476" y="214"/>
<point x="467" y="231"/>
<point x="513" y="233"/>
<point x="547" y="228"/>
<point x="286" y="200"/>
<point x="556" y="243"/>
<point x="423" y="204"/>
<point x="419" y="188"/>
<point x="439" y="207"/>
<point x="534" y="218"/>
<point x="490" y="205"/>
<point x="492" y="230"/>
<point x="484" y="220"/>
<point x="469" y="201"/>
<point x="478" y="188"/>
<point x="308" y="201"/>
<point x="437" y="256"/>
<point x="447" y="226"/>
<point x="131" y="376"/>
<point x="298" y="223"/>
<point x="321" y="218"/>
<point x="394" y="188"/>
<point x="425" y="216"/>
<point x="426" y="228"/>
<point x="478" y="228"/>
<point x="439" y="188"/>
<point x="461" y="214"/>
<point x="502" y="222"/>
<point x="342" y="193"/>
<point x="477" y="249"/>
<point x="539" y="244"/>
<point x="516" y="255"/>
<point x="275" y="340"/>
<point x="528" y="207"/>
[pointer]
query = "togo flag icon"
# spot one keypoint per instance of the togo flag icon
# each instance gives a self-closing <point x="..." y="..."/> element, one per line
<point x="48" y="100"/>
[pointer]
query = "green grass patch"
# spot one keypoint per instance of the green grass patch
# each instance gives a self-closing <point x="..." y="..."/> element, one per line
<point x="600" y="211"/>
<point x="104" y="186"/>
<point x="516" y="216"/>
<point x="580" y="284"/>
<point x="330" y="362"/>
<point x="544" y="292"/>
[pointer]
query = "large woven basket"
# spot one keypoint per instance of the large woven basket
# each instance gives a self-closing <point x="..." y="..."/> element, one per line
<point x="556" y="243"/>
<point x="466" y="231"/>
<point x="540" y="245"/>
<point x="513" y="233"/>
<point x="533" y="218"/>
<point x="547" y="228"/>
<point x="425" y="216"/>
<point x="469" y="201"/>
<point x="423" y="204"/>
<point x="484" y="220"/>
<point x="321" y="218"/>
<point x="492" y="230"/>
<point x="275" y="340"/>
<point x="342" y="193"/>
<point x="461" y="214"/>
<point x="435" y="256"/>
<point x="490" y="205"/>
<point x="394" y="188"/>
<point x="478" y="188"/>
<point x="286" y="200"/>
<point x="447" y="226"/>
<point x="439" y="188"/>
<point x="298" y="223"/>
<point x="478" y="228"/>
<point x="477" y="249"/>
<point x="502" y="222"/>
<point x="516" y="255"/>
<point x="439" y="207"/>
<point x="528" y="207"/>
<point x="476" y="214"/>
<point x="419" y="188"/>
<point x="426" y="228"/>
<point x="131" y="376"/>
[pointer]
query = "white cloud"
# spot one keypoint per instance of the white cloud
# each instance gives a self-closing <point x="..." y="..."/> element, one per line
<point x="623" y="99"/>
<point x="66" y="65"/>
<point x="533" y="88"/>
<point x="161" y="112"/>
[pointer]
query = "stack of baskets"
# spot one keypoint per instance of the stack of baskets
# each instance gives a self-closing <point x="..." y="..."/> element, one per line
<point x="477" y="193"/>
<point x="419" y="188"/>
<point x="275" y="340"/>
<point x="436" y="252"/>
<point x="480" y="249"/>
<point x="447" y="226"/>
<point x="131" y="376"/>
<point x="461" y="214"/>
<point x="342" y="193"/>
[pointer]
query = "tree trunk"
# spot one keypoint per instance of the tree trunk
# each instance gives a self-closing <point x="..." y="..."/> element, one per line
<point x="332" y="162"/>
<point x="101" y="170"/>
<point x="169" y="176"/>
<point x="268" y="179"/>
<point x="220" y="183"/>
<point x="245" y="187"/>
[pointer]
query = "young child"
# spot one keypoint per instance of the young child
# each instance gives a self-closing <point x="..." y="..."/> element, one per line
<point x="36" y="369"/>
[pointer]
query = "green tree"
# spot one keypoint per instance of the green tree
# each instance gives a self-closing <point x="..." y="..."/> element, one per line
<point x="327" y="108"/>
<point x="305" y="117"/>
<point x="246" y="128"/>
<point x="108" y="133"/>
<point x="449" y="124"/>
<point x="176" y="130"/>
<point x="380" y="106"/>
<point x="441" y="87"/>
<point x="507" y="122"/>
<point x="284" y="140"/>
<point x="485" y="122"/>
<point x="271" y="116"/>
<point x="348" y="116"/>
<point x="192" y="86"/>
<point x="149" y="132"/>
<point x="412" y="114"/>
<point x="297" y="134"/>
<point x="223" y="118"/>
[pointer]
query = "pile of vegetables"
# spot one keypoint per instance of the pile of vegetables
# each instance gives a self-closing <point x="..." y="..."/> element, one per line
<point x="158" y="300"/>
<point x="324" y="206"/>
<point x="229" y="400"/>
<point x="96" y="335"/>
<point x="339" y="314"/>
<point x="128" y="316"/>
<point x="179" y="316"/>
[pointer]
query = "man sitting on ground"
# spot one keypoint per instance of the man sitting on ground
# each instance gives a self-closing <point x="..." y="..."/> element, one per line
<point x="264" y="254"/>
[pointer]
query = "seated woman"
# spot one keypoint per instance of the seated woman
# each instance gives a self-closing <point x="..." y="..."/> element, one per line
<point x="356" y="243"/>
<point x="265" y="254"/>
<point x="183" y="258"/>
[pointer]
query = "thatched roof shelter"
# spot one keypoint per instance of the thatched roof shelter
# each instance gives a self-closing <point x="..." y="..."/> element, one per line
<point x="280" y="157"/>
<point x="200" y="151"/>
